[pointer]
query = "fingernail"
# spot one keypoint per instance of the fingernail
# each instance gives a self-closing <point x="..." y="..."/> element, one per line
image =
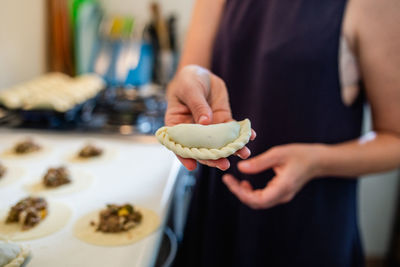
<point x="227" y="167"/>
<point x="220" y="168"/>
<point x="203" y="118"/>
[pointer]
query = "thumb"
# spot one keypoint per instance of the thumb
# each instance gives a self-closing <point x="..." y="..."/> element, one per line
<point x="262" y="162"/>
<point x="196" y="91"/>
<point x="197" y="103"/>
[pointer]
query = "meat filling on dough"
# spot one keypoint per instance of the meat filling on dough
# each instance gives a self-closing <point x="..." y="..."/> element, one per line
<point x="117" y="218"/>
<point x="56" y="177"/>
<point x="29" y="212"/>
<point x="3" y="170"/>
<point x="25" y="147"/>
<point x="90" y="151"/>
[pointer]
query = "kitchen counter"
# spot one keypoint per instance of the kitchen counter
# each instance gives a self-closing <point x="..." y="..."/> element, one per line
<point x="138" y="170"/>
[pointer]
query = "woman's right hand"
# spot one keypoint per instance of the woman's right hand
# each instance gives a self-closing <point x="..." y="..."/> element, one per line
<point x="195" y="95"/>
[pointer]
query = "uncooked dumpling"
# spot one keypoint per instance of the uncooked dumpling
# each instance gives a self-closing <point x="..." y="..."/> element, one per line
<point x="205" y="142"/>
<point x="201" y="136"/>
<point x="54" y="91"/>
<point x="12" y="255"/>
<point x="8" y="252"/>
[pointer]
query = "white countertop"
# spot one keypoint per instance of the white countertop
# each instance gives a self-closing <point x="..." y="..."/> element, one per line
<point x="140" y="171"/>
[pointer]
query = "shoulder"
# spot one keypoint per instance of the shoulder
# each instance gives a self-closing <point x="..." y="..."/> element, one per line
<point x="373" y="26"/>
<point x="371" y="22"/>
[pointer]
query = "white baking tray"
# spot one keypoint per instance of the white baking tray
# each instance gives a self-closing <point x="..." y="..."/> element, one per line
<point x="140" y="171"/>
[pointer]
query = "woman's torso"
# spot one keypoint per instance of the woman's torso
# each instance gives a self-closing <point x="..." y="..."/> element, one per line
<point x="279" y="59"/>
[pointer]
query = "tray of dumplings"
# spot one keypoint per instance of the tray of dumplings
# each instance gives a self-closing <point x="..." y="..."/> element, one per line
<point x="79" y="200"/>
<point x="52" y="96"/>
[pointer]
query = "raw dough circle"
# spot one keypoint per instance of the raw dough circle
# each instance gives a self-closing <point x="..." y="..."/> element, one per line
<point x="87" y="233"/>
<point x="12" y="175"/>
<point x="58" y="217"/>
<point x="79" y="181"/>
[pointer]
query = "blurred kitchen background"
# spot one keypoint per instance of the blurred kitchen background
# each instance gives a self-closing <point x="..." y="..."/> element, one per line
<point x="134" y="45"/>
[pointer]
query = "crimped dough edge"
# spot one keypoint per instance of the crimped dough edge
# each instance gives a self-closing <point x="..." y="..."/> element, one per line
<point x="20" y="259"/>
<point x="205" y="153"/>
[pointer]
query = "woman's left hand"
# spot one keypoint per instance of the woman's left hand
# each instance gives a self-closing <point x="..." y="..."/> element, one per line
<point x="294" y="166"/>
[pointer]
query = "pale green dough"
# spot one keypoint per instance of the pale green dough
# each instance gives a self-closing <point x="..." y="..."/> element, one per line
<point x="8" y="252"/>
<point x="204" y="136"/>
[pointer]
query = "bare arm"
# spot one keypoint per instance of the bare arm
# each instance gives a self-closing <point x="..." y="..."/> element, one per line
<point x="202" y="30"/>
<point x="377" y="40"/>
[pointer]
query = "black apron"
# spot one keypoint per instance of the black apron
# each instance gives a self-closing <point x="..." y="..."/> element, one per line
<point x="279" y="59"/>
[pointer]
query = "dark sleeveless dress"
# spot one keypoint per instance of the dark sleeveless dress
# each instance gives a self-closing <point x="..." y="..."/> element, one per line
<point x="279" y="59"/>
